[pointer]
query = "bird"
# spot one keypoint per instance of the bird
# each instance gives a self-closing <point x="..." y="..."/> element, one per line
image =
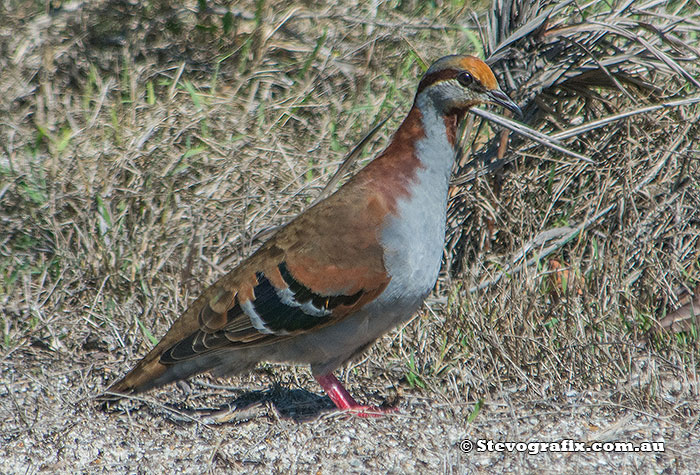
<point x="350" y="268"/>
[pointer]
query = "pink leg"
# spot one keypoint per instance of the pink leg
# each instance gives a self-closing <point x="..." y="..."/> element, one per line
<point x="344" y="401"/>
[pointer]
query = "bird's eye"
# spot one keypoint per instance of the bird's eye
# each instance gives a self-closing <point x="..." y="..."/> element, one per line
<point x="465" y="79"/>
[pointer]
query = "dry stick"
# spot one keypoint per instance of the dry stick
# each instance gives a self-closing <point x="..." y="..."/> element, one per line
<point x="526" y="131"/>
<point x="545" y="252"/>
<point x="175" y="414"/>
<point x="176" y="79"/>
<point x="602" y="67"/>
<point x="606" y="120"/>
<point x="528" y="28"/>
<point x="566" y="134"/>
<point x="664" y="159"/>
<point x="660" y="55"/>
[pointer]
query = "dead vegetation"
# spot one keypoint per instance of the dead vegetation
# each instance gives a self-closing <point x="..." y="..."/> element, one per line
<point x="148" y="146"/>
<point x="609" y="248"/>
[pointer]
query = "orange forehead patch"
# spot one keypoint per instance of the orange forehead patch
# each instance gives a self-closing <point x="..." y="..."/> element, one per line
<point x="449" y="67"/>
<point x="479" y="70"/>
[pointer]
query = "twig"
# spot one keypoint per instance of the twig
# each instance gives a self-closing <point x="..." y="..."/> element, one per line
<point x="526" y="131"/>
<point x="566" y="134"/>
<point x="607" y="120"/>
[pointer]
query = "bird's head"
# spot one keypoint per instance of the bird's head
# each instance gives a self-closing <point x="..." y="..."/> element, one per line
<point x="456" y="83"/>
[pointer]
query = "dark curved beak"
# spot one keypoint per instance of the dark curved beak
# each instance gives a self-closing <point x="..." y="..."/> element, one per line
<point x="499" y="97"/>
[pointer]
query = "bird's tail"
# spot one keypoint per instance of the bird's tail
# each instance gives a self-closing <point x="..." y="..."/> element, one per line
<point x="151" y="373"/>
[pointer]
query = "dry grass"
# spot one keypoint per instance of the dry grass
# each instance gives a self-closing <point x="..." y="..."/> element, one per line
<point x="147" y="148"/>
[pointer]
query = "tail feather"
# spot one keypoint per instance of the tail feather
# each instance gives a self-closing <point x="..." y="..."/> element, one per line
<point x="150" y="373"/>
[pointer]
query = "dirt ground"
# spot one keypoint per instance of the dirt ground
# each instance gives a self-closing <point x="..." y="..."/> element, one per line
<point x="147" y="147"/>
<point x="54" y="428"/>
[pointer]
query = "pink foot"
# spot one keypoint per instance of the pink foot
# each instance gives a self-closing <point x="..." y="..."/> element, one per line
<point x="345" y="402"/>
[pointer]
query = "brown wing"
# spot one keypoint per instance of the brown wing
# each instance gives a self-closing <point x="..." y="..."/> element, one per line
<point x="319" y="268"/>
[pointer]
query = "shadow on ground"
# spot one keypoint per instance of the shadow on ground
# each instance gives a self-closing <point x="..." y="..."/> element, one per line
<point x="280" y="402"/>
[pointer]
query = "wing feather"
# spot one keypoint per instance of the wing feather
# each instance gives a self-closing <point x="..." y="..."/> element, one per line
<point x="272" y="314"/>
